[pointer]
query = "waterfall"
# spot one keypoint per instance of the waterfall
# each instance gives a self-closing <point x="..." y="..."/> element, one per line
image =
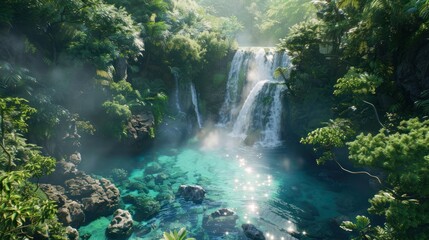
<point x="252" y="104"/>
<point x="176" y="76"/>
<point x="232" y="87"/>
<point x="195" y="103"/>
<point x="271" y="134"/>
<point x="243" y="120"/>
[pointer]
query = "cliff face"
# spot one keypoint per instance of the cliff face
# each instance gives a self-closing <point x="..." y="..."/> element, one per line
<point x="412" y="73"/>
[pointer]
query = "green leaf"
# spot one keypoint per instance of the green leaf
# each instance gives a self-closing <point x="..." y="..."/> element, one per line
<point x="348" y="226"/>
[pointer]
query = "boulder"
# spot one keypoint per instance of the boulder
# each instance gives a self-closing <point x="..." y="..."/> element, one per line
<point x="72" y="233"/>
<point x="137" y="186"/>
<point x="192" y="193"/>
<point x="252" y="232"/>
<point x="66" y="169"/>
<point x="99" y="197"/>
<point x="119" y="174"/>
<point x="139" y="125"/>
<point x="144" y="207"/>
<point x="71" y="213"/>
<point x="153" y="168"/>
<point x="75" y="158"/>
<point x="221" y="221"/>
<point x="54" y="192"/>
<point x="121" y="226"/>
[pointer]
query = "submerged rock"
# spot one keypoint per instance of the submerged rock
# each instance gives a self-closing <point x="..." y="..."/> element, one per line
<point x="153" y="168"/>
<point x="221" y="221"/>
<point x="144" y="207"/>
<point x="252" y="232"/>
<point x="119" y="174"/>
<point x="137" y="186"/>
<point x="192" y="193"/>
<point x="121" y="225"/>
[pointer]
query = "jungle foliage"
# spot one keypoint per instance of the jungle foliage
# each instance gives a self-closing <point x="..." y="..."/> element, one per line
<point x="349" y="57"/>
<point x="93" y="63"/>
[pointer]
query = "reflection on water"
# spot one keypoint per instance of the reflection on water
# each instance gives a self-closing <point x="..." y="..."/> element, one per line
<point x="269" y="189"/>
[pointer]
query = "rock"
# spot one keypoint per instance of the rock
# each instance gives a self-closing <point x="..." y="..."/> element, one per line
<point x="144" y="207"/>
<point x="66" y="169"/>
<point x="139" y="125"/>
<point x="121" y="69"/>
<point x="99" y="197"/>
<point x="165" y="196"/>
<point x="153" y="168"/>
<point x="121" y="225"/>
<point x="411" y="72"/>
<point x="86" y="236"/>
<point x="252" y="232"/>
<point x="132" y="186"/>
<point x="224" y="212"/>
<point x="71" y="213"/>
<point x="54" y="192"/>
<point x="119" y="174"/>
<point x="192" y="193"/>
<point x="221" y="221"/>
<point x="72" y="233"/>
<point x="160" y="178"/>
<point x="75" y="158"/>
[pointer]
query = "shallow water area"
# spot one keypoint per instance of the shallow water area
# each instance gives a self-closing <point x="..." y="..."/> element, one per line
<point x="277" y="190"/>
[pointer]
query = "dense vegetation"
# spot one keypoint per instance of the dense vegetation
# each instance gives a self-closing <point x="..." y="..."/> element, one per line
<point x="90" y="65"/>
<point x="357" y="62"/>
<point x="358" y="65"/>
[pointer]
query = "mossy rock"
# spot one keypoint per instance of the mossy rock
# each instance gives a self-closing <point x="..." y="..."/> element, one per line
<point x="143" y="207"/>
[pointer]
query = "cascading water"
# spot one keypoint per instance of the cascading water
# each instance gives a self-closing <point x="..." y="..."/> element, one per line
<point x="195" y="103"/>
<point x="176" y="76"/>
<point x="252" y="104"/>
<point x="231" y="95"/>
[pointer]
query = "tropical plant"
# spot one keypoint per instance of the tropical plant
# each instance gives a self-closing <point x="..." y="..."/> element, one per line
<point x="403" y="154"/>
<point x="23" y="212"/>
<point x="177" y="235"/>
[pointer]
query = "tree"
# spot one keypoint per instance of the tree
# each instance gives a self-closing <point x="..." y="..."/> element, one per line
<point x="404" y="156"/>
<point x="24" y="211"/>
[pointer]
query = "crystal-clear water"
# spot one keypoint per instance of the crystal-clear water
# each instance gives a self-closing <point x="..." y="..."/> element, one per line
<point x="278" y="191"/>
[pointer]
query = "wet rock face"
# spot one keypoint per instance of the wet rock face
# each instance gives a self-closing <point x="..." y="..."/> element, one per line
<point x="252" y="232"/>
<point x="192" y="193"/>
<point x="412" y="74"/>
<point x="139" y="125"/>
<point x="121" y="225"/>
